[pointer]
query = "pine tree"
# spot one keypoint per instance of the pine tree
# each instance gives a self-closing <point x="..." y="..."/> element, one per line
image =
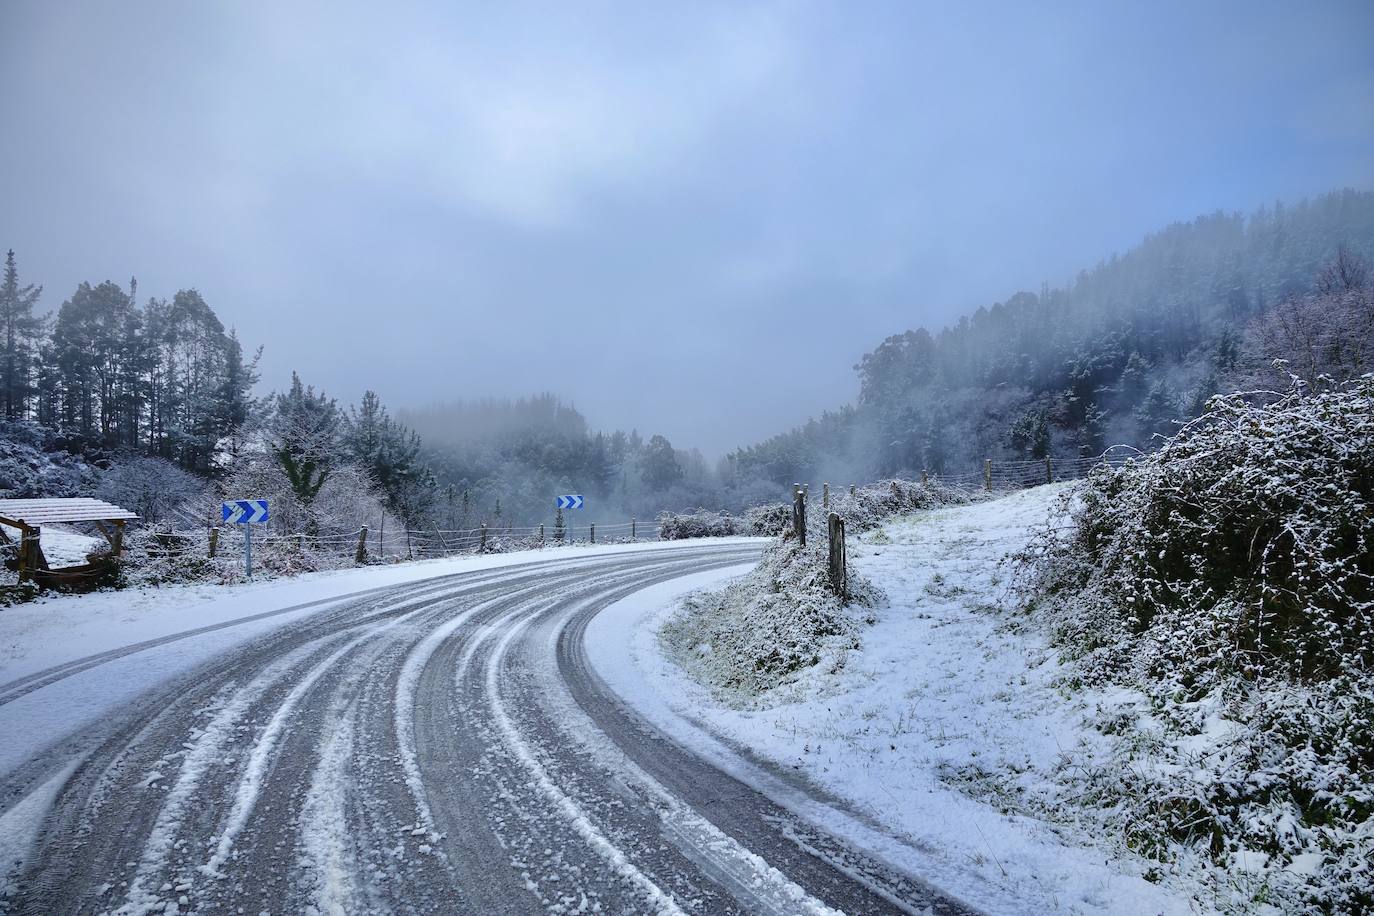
<point x="391" y="454"/>
<point x="305" y="433"/>
<point x="20" y="329"/>
<point x="660" y="467"/>
<point x="236" y="403"/>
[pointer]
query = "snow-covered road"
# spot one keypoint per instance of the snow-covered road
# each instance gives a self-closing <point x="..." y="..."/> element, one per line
<point x="443" y="746"/>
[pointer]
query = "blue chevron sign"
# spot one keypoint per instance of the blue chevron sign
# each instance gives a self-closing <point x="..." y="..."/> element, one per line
<point x="569" y="502"/>
<point x="245" y="511"/>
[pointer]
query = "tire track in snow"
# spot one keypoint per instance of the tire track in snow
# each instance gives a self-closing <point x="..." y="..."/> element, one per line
<point x="413" y="752"/>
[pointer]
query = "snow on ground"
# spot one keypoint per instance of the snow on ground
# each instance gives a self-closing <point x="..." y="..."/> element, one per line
<point x="942" y="691"/>
<point x="65" y="547"/>
<point x="58" y="629"/>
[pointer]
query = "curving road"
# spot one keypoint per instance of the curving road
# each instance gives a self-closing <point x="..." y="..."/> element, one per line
<point x="442" y="747"/>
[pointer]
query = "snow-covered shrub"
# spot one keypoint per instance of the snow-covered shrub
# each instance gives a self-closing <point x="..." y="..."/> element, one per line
<point x="870" y="506"/>
<point x="27" y="472"/>
<point x="764" y="630"/>
<point x="1244" y="545"/>
<point x="674" y="526"/>
<point x="152" y="487"/>
<point x="769" y="628"/>
<point x="767" y="521"/>
<point x="1229" y="576"/>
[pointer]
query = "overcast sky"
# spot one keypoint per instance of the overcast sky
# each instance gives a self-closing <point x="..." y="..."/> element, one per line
<point x="656" y="211"/>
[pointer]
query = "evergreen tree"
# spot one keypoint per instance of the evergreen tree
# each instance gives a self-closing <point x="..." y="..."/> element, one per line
<point x="391" y="454"/>
<point x="20" y="329"/>
<point x="305" y="439"/>
<point x="659" y="467"/>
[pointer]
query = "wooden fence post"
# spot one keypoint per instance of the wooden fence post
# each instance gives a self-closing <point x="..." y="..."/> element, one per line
<point x="26" y="562"/>
<point x="214" y="541"/>
<point x="541" y="534"/>
<point x="593" y="532"/>
<point x="633" y="529"/>
<point x="799" y="516"/>
<point x="839" y="580"/>
<point x="482" y="545"/>
<point x="987" y="475"/>
<point x="1049" y="470"/>
<point x="925" y="478"/>
<point x="853" y="489"/>
<point x="825" y="495"/>
<point x="360" y="557"/>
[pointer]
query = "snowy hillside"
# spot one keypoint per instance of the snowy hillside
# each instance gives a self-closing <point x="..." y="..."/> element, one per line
<point x="945" y="689"/>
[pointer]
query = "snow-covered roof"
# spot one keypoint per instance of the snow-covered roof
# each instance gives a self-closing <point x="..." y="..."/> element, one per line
<point x="36" y="512"/>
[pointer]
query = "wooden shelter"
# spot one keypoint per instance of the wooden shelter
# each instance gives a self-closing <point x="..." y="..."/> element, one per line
<point x="30" y="515"/>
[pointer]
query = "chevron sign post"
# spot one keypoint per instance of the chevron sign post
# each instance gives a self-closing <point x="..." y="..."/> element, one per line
<point x="245" y="512"/>
<point x="569" y="502"/>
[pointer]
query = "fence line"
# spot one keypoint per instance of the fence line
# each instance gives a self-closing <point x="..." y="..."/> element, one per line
<point x="1030" y="472"/>
<point x="377" y="545"/>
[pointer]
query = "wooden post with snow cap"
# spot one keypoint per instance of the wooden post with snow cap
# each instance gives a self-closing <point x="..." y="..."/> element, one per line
<point x="987" y="475"/>
<point x="482" y="545"/>
<point x="839" y="580"/>
<point x="214" y="540"/>
<point x="360" y="556"/>
<point x="799" y="516"/>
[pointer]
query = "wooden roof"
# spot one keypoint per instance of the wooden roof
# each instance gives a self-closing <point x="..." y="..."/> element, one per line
<point x="37" y="512"/>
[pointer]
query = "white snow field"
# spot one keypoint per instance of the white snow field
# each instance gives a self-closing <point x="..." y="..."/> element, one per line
<point x="940" y="689"/>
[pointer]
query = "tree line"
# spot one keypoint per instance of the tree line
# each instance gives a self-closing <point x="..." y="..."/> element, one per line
<point x="148" y="393"/>
<point x="1122" y="353"/>
<point x="163" y="379"/>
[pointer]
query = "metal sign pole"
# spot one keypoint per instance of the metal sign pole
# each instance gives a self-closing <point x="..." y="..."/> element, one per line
<point x="248" y="551"/>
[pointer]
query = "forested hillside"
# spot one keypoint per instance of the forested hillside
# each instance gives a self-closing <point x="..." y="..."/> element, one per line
<point x="153" y="405"/>
<point x="1120" y="354"/>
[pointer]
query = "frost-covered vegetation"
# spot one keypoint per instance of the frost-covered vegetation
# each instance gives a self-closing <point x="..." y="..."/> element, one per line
<point x="1229" y="576"/>
<point x="769" y="628"/>
<point x="674" y="526"/>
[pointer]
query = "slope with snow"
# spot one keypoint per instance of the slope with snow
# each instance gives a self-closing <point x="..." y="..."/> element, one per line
<point x="947" y="688"/>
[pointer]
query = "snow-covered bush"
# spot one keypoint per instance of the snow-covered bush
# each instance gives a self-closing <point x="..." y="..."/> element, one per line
<point x="767" y="521"/>
<point x="27" y="472"/>
<point x="674" y="526"/>
<point x="870" y="506"/>
<point x="1229" y="576"/>
<point x="769" y="628"/>
<point x="1244" y="545"/>
<point x="152" y="487"/>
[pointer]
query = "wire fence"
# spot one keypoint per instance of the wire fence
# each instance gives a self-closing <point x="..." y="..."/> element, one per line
<point x="998" y="475"/>
<point x="393" y="543"/>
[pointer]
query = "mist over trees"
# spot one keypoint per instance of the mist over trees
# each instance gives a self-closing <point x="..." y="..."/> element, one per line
<point x="501" y="461"/>
<point x="1122" y="353"/>
<point x="145" y="401"/>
